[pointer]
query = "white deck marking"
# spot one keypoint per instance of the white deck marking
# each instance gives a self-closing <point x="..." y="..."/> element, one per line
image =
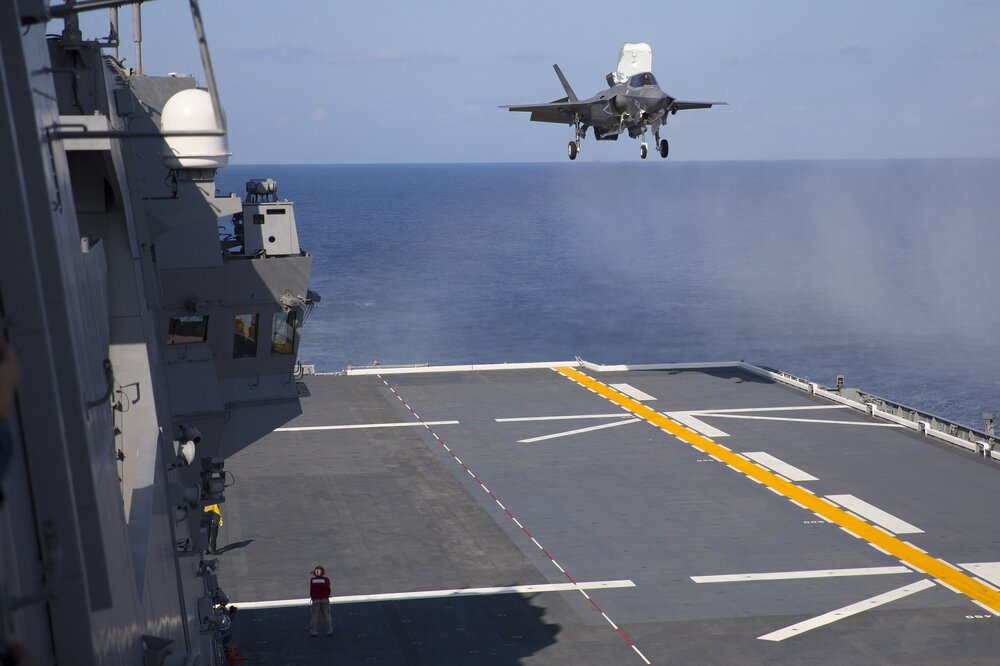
<point x="793" y="575"/>
<point x="634" y="648"/>
<point x="987" y="584"/>
<point x="846" y="611"/>
<point x="984" y="607"/>
<point x="764" y="409"/>
<point x="567" y="433"/>
<point x="685" y="419"/>
<point x="434" y="594"/>
<point x="569" y="417"/>
<point x="354" y="426"/>
<point x="946" y="585"/>
<point x="794" y="420"/>
<point x="875" y="514"/>
<point x="779" y="466"/>
<point x="632" y="392"/>
<point x="744" y="413"/>
<point x="989" y="571"/>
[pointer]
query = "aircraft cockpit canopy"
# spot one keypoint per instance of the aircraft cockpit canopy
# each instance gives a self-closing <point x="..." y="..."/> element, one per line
<point x="640" y="80"/>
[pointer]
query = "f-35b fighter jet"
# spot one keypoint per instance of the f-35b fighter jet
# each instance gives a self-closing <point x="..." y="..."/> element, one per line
<point x="633" y="102"/>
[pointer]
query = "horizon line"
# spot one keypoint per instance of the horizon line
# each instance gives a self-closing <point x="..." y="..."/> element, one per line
<point x="606" y="162"/>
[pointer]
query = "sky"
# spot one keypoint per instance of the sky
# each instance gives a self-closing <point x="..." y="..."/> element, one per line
<point x="326" y="82"/>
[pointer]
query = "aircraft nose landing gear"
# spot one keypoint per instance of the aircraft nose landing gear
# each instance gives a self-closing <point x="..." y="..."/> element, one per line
<point x="642" y="150"/>
<point x="572" y="150"/>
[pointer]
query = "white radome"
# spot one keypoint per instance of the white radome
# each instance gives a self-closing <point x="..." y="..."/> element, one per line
<point x="191" y="110"/>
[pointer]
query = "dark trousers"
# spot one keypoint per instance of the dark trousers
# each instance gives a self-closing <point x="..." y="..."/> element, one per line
<point x="213" y="538"/>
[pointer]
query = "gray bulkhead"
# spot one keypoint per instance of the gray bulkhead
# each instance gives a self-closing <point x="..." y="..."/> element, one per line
<point x="130" y="318"/>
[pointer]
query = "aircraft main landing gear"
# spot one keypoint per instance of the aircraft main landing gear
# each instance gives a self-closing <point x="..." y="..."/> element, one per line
<point x="642" y="150"/>
<point x="662" y="146"/>
<point x="573" y="149"/>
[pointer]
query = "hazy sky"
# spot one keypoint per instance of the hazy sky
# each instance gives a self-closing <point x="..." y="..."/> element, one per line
<point x="320" y="81"/>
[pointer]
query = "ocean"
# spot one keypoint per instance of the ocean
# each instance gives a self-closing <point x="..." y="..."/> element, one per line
<point x="885" y="272"/>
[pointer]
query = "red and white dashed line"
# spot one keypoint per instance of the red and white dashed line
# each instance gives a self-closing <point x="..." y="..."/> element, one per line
<point x="524" y="529"/>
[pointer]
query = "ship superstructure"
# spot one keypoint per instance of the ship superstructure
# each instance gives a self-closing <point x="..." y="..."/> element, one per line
<point x="158" y="325"/>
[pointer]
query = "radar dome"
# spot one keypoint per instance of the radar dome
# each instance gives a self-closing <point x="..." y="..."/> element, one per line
<point x="191" y="110"/>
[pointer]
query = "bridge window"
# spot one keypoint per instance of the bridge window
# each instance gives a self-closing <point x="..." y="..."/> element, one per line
<point x="187" y="329"/>
<point x="245" y="336"/>
<point x="283" y="332"/>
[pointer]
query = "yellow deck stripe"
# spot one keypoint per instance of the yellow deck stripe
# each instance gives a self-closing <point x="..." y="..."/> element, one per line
<point x="900" y="549"/>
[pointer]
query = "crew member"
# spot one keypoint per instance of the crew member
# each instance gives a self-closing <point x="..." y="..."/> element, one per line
<point x="319" y="592"/>
<point x="214" y="523"/>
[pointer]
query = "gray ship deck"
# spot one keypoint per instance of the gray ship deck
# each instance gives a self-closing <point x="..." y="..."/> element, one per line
<point x="482" y="486"/>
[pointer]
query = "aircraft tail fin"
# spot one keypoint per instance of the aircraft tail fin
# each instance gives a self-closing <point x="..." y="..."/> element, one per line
<point x="565" y="84"/>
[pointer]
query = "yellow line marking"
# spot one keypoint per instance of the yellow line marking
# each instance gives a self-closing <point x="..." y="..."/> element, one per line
<point x="906" y="553"/>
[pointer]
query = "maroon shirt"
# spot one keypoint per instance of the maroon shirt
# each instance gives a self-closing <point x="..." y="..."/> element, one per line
<point x="319" y="588"/>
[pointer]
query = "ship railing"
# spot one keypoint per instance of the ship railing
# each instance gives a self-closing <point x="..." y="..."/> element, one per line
<point x="925" y="423"/>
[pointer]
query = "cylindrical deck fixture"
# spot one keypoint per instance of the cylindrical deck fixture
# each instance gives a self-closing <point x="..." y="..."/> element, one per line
<point x="137" y="35"/>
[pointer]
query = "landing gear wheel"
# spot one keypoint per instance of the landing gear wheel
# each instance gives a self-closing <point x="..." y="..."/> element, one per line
<point x="664" y="148"/>
<point x="642" y="151"/>
<point x="572" y="150"/>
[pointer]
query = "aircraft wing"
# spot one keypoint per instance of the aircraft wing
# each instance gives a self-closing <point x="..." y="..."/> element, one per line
<point x="684" y="106"/>
<point x="559" y="111"/>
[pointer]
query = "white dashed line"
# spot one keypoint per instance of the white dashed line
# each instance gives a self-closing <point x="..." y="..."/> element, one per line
<point x="573" y="584"/>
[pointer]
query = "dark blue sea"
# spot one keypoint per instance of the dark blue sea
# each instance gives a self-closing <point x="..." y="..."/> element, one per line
<point x="884" y="271"/>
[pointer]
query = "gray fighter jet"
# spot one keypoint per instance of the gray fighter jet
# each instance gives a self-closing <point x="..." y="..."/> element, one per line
<point x="633" y="102"/>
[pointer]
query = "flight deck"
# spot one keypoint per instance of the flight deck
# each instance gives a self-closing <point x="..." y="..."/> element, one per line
<point x="579" y="514"/>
